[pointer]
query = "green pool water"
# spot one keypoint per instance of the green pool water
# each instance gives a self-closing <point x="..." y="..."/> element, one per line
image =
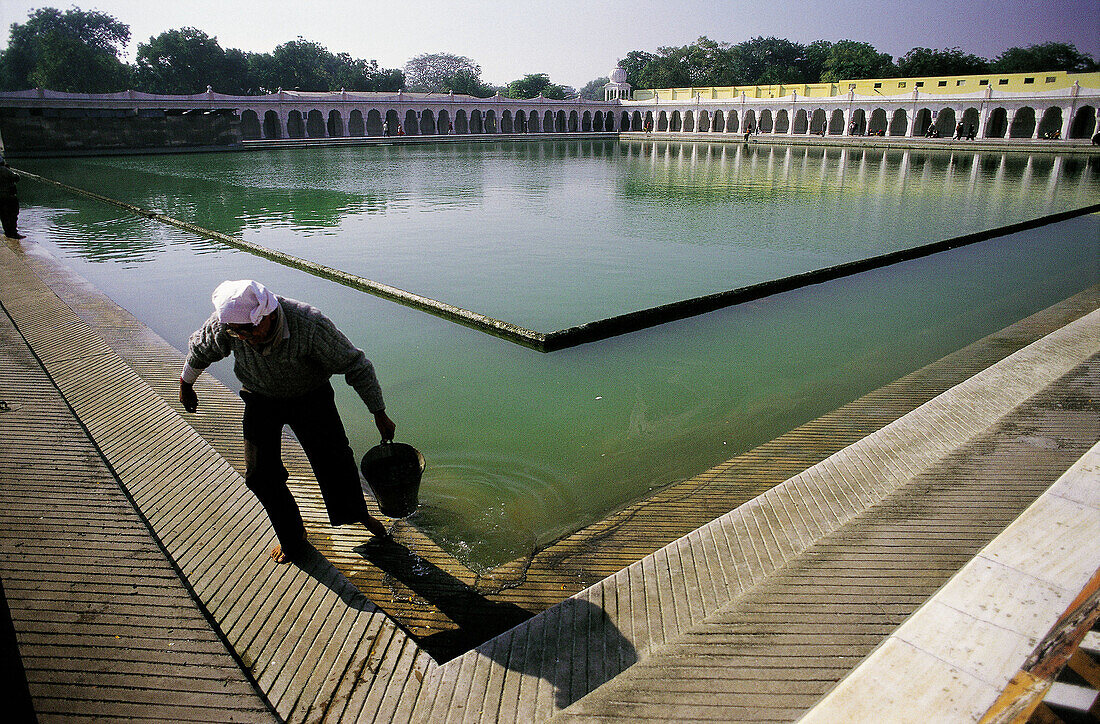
<point x="524" y="447"/>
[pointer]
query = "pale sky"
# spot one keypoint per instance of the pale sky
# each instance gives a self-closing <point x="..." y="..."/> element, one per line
<point x="575" y="41"/>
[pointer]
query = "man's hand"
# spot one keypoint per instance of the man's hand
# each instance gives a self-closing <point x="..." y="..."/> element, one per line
<point x="188" y="398"/>
<point x="386" y="426"/>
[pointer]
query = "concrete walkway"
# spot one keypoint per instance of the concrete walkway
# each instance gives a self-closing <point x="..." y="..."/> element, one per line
<point x="756" y="615"/>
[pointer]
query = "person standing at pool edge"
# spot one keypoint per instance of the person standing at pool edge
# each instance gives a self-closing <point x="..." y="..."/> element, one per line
<point x="284" y="352"/>
<point x="9" y="201"/>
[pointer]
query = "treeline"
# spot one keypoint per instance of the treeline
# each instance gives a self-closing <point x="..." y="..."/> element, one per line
<point x="766" y="61"/>
<point x="82" y="51"/>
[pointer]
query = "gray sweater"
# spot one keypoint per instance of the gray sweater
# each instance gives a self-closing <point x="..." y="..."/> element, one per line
<point x="294" y="365"/>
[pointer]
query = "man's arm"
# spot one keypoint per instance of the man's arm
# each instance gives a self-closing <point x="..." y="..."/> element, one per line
<point x="207" y="345"/>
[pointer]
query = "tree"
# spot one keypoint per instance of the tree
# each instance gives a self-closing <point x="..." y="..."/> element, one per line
<point x="852" y="60"/>
<point x="185" y="61"/>
<point x="813" y="60"/>
<point x="534" y="84"/>
<point x="634" y="64"/>
<point x="75" y="50"/>
<point x="1044" y="57"/>
<point x="766" y="61"/>
<point x="304" y="65"/>
<point x="949" y="61"/>
<point x="436" y="72"/>
<point x="593" y="89"/>
<point x="466" y="82"/>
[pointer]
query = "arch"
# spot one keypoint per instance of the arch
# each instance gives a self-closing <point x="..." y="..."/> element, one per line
<point x="877" y="126"/>
<point x="427" y="125"/>
<point x="637" y="123"/>
<point x="662" y="121"/>
<point x="443" y="123"/>
<point x="559" y="122"/>
<point x="1023" y="123"/>
<point x="750" y="121"/>
<point x="506" y="125"/>
<point x="858" y="124"/>
<point x="411" y="125"/>
<point x="335" y="124"/>
<point x="521" y="122"/>
<point x="718" y="124"/>
<point x="689" y="121"/>
<point x="733" y="123"/>
<point x="922" y="122"/>
<point x="574" y="122"/>
<point x="533" y="124"/>
<point x="272" y="126"/>
<point x="608" y="121"/>
<point x="477" y="123"/>
<point x="946" y="122"/>
<point x="356" y="126"/>
<point x="250" y="126"/>
<point x="836" y="123"/>
<point x="373" y="124"/>
<point x="817" y="122"/>
<point x="315" y="124"/>
<point x="767" y="125"/>
<point x="899" y="123"/>
<point x="970" y="120"/>
<point x="393" y="122"/>
<point x="491" y="125"/>
<point x="801" y="122"/>
<point x="675" y="123"/>
<point x="1051" y="123"/>
<point x="586" y="121"/>
<point x="462" y="123"/>
<point x="295" y="127"/>
<point x="548" y="122"/>
<point x="1084" y="123"/>
<point x="782" y="121"/>
<point x="997" y="124"/>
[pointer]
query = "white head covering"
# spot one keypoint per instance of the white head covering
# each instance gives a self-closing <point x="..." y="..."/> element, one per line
<point x="243" y="302"/>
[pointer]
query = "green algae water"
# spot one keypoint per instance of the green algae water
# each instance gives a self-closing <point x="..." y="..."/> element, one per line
<point x="524" y="447"/>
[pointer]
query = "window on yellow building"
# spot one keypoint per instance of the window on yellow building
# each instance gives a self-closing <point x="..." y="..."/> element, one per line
<point x="919" y="84"/>
<point x="1051" y="79"/>
<point x="942" y="83"/>
<point x="1002" y="81"/>
<point x="901" y="84"/>
<point x="1029" y="80"/>
<point x="984" y="82"/>
<point x="960" y="82"/>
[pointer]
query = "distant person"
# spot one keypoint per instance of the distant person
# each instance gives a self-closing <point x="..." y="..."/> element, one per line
<point x="959" y="129"/>
<point x="1096" y="140"/>
<point x="9" y="201"/>
<point x="972" y="132"/>
<point x="284" y="352"/>
<point x="748" y="132"/>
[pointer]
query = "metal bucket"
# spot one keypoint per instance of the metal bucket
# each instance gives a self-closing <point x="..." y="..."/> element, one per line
<point x="393" y="471"/>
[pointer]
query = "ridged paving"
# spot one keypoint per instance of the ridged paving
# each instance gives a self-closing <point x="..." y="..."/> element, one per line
<point x="345" y="659"/>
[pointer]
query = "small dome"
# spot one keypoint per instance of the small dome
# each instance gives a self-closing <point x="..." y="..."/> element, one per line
<point x="618" y="75"/>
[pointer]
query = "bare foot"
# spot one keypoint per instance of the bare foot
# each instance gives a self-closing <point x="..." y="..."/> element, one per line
<point x="280" y="556"/>
<point x="375" y="526"/>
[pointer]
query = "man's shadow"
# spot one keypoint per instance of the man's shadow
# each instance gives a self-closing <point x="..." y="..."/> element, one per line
<point x="573" y="645"/>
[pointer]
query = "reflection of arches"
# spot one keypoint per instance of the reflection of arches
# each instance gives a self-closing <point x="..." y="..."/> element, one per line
<point x="733" y="124"/>
<point x="250" y="126"/>
<point x="719" y="122"/>
<point x="836" y="123"/>
<point x="1023" y="123"/>
<point x="462" y="124"/>
<point x="373" y="126"/>
<point x="335" y="125"/>
<point x="1084" y="123"/>
<point x="411" y="124"/>
<point x="315" y="124"/>
<point x="782" y="121"/>
<point x="997" y="125"/>
<point x="877" y="126"/>
<point x="898" y="124"/>
<point x="295" y="128"/>
<point x="766" y="124"/>
<point x="272" y="127"/>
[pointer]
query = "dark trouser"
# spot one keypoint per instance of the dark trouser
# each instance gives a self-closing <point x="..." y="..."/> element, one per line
<point x="316" y="422"/>
<point x="9" y="214"/>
